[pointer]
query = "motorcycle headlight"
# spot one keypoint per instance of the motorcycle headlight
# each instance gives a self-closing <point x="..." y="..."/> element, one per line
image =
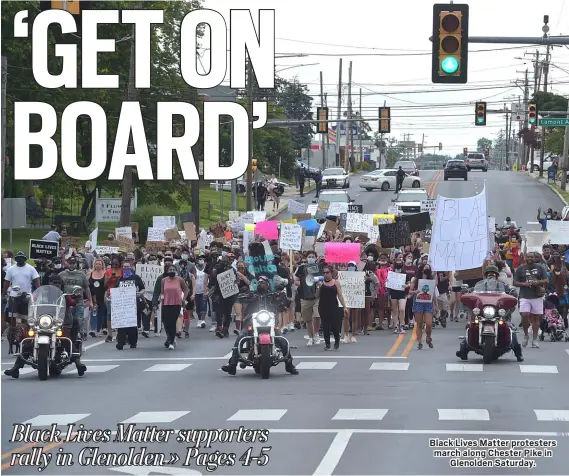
<point x="45" y="321"/>
<point x="489" y="312"/>
<point x="263" y="318"/>
<point x="502" y="312"/>
<point x="476" y="311"/>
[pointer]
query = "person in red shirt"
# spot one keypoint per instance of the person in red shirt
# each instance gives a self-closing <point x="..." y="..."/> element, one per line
<point x="111" y="277"/>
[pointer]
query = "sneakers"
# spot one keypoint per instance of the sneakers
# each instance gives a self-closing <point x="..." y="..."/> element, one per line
<point x="526" y="340"/>
<point x="291" y="327"/>
<point x="396" y="330"/>
<point x="534" y="344"/>
<point x="402" y="330"/>
<point x="213" y="328"/>
<point x="171" y="347"/>
<point x="353" y="340"/>
<point x="145" y="334"/>
<point x="336" y="344"/>
<point x="346" y="339"/>
<point x="310" y="342"/>
<point x="317" y="339"/>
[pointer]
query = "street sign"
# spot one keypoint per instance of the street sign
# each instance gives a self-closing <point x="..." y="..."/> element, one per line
<point x="554" y="122"/>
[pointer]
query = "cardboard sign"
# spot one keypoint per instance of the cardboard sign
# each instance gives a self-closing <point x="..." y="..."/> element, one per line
<point x="190" y="229"/>
<point x="171" y="234"/>
<point x="43" y="249"/>
<point x="126" y="244"/>
<point x="301" y="216"/>
<point x="468" y="274"/>
<point x="218" y="230"/>
<point x="154" y="246"/>
<point x="393" y="235"/>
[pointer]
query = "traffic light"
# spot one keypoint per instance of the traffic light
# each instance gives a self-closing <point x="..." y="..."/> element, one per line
<point x="420" y="148"/>
<point x="532" y="114"/>
<point x="72" y="6"/>
<point x="486" y="151"/>
<point x="385" y="120"/>
<point x="465" y="151"/>
<point x="480" y="114"/>
<point x="322" y="115"/>
<point x="450" y="43"/>
<point x="440" y="146"/>
<point x="254" y="165"/>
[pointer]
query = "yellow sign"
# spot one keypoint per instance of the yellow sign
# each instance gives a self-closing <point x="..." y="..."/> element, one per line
<point x="384" y="218"/>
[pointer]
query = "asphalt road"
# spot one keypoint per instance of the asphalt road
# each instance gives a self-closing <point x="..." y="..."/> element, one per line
<point x="374" y="407"/>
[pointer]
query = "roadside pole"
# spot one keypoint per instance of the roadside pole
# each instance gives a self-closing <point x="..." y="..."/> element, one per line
<point x="565" y="164"/>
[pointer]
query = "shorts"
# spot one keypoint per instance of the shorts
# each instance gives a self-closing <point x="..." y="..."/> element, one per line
<point x="396" y="294"/>
<point x="17" y="306"/>
<point x="423" y="307"/>
<point x="309" y="309"/>
<point x="533" y="306"/>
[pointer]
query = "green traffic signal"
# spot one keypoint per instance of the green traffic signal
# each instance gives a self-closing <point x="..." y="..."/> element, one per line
<point x="449" y="65"/>
<point x="480" y="120"/>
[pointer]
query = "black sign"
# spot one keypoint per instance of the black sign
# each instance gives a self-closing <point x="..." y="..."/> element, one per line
<point x="417" y="221"/>
<point x="428" y="234"/>
<point x="41" y="249"/>
<point x="396" y="234"/>
<point x="352" y="208"/>
<point x="188" y="217"/>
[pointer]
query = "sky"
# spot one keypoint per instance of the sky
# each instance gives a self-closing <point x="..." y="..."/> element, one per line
<point x="378" y="37"/>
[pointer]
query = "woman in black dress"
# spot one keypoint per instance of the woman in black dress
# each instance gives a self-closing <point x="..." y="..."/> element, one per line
<point x="329" y="293"/>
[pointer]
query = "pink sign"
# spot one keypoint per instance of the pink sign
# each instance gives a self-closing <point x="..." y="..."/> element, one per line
<point x="267" y="229"/>
<point x="342" y="252"/>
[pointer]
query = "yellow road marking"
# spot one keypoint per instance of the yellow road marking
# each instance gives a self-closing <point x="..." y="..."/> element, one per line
<point x="395" y="345"/>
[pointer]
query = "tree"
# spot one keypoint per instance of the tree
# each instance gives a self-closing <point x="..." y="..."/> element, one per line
<point x="483" y="144"/>
<point x="554" y="135"/>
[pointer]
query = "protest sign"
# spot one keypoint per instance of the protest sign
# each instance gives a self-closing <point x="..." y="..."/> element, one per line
<point x="259" y="216"/>
<point x="228" y="283"/>
<point x="559" y="232"/>
<point x="155" y="234"/>
<point x="123" y="307"/>
<point x="125" y="231"/>
<point x="429" y="206"/>
<point x="233" y="215"/>
<point x="358" y="222"/>
<point x="260" y="262"/>
<point x="149" y="273"/>
<point x="428" y="234"/>
<point x="291" y="237"/>
<point x="43" y="249"/>
<point x="373" y="234"/>
<point x="460" y="233"/>
<point x="190" y="229"/>
<point x="163" y="223"/>
<point x="93" y="237"/>
<point x="393" y="235"/>
<point x="108" y="250"/>
<point x="186" y="217"/>
<point x="322" y="210"/>
<point x="417" y="221"/>
<point x="536" y="239"/>
<point x="382" y="219"/>
<point x="396" y="281"/>
<point x="342" y="252"/>
<point x="295" y="207"/>
<point x="353" y="208"/>
<point x="426" y="290"/>
<point x="311" y="209"/>
<point x="267" y="229"/>
<point x="171" y="234"/>
<point x="353" y="288"/>
<point x="337" y="208"/>
<point x="126" y="244"/>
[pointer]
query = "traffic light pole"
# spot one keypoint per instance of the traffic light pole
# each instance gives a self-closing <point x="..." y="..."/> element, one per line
<point x="519" y="40"/>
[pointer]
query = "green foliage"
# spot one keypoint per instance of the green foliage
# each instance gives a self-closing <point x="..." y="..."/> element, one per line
<point x="554" y="140"/>
<point x="483" y="143"/>
<point x="144" y="217"/>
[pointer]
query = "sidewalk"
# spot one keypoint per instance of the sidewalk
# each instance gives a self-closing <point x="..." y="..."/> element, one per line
<point x="563" y="195"/>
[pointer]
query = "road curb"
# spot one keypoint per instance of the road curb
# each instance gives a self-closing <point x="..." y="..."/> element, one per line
<point x="561" y="197"/>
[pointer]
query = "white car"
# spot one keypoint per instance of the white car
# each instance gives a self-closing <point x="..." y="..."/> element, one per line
<point x="335" y="177"/>
<point x="536" y="162"/>
<point x="386" y="179"/>
<point x="409" y="201"/>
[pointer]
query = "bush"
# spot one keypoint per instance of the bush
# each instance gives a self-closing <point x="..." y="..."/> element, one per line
<point x="143" y="216"/>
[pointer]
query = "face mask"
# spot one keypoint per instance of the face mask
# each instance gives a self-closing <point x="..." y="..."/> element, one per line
<point x="201" y="262"/>
<point x="311" y="260"/>
<point x="224" y="253"/>
<point x="127" y="273"/>
<point x="20" y="262"/>
<point x="348" y="241"/>
<point x="370" y="258"/>
<point x="398" y="264"/>
<point x="153" y="261"/>
<point x="57" y="266"/>
<point x="426" y="270"/>
<point x="557" y="273"/>
<point x="409" y="262"/>
<point x="382" y="262"/>
<point x="184" y="256"/>
<point x="351" y="268"/>
<point x="171" y="274"/>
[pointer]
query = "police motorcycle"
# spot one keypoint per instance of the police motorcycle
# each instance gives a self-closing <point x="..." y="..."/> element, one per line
<point x="50" y="321"/>
<point x="258" y="346"/>
<point x="490" y="332"/>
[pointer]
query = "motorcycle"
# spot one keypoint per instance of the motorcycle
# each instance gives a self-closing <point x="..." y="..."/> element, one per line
<point x="258" y="348"/>
<point x="489" y="332"/>
<point x="49" y="319"/>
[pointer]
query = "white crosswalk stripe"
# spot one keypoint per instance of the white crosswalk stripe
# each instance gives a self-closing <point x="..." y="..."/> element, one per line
<point x="257" y="415"/>
<point x="450" y="414"/>
<point x="464" y="367"/>
<point x="389" y="366"/>
<point x="369" y="414"/>
<point x="552" y="415"/>
<point x="539" y="369"/>
<point x="156" y="417"/>
<point x="94" y="369"/>
<point x="316" y="365"/>
<point x="167" y="368"/>
<point x="58" y="419"/>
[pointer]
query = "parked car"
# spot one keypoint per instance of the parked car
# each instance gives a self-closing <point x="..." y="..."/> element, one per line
<point x="386" y="179"/>
<point x="547" y="162"/>
<point x="456" y="169"/>
<point x="335" y="177"/>
<point x="409" y="201"/>
<point x="476" y="160"/>
<point x="334" y="196"/>
<point x="409" y="166"/>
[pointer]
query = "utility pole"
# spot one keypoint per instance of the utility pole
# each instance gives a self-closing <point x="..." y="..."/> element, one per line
<point x="360" y="129"/>
<point x="545" y="69"/>
<point x="507" y="136"/>
<point x="339" y="116"/>
<point x="4" y="83"/>
<point x="565" y="164"/>
<point x="234" y="181"/>
<point x="347" y="163"/>
<point x="250" y="112"/>
<point x="526" y="102"/>
<point x="127" y="178"/>
<point x="327" y="135"/>
<point x="195" y="185"/>
<point x="324" y="151"/>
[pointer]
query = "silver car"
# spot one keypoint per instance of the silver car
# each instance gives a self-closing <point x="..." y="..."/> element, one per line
<point x="475" y="161"/>
<point x="335" y="177"/>
<point x="409" y="201"/>
<point x="386" y="179"/>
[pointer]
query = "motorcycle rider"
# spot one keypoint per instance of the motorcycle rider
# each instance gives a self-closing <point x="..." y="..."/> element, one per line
<point x="263" y="287"/>
<point x="27" y="346"/>
<point x="491" y="283"/>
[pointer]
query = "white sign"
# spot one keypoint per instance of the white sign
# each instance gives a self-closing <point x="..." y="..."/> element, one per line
<point x="295" y="207"/>
<point x="426" y="290"/>
<point x="336" y="209"/>
<point x="291" y="237"/>
<point x="227" y="283"/>
<point x="248" y="236"/>
<point x="93" y="238"/>
<point x="233" y="215"/>
<point x="155" y="234"/>
<point x="163" y="223"/>
<point x="430" y="206"/>
<point x="311" y="209"/>
<point x="149" y="273"/>
<point x="109" y="209"/>
<point x="358" y="222"/>
<point x="460" y="233"/>
<point x="396" y="281"/>
<point x="393" y="210"/>
<point x="259" y="216"/>
<point x="353" y="288"/>
<point x="559" y="232"/>
<point x="123" y="307"/>
<point x="373" y="234"/>
<point x="125" y="231"/>
<point x="106" y="250"/>
<point x="536" y="239"/>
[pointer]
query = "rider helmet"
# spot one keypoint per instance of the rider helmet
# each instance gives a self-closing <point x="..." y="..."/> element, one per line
<point x="491" y="270"/>
<point x="55" y="280"/>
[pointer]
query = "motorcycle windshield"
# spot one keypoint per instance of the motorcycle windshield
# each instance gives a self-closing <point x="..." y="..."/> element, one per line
<point x="489" y="286"/>
<point x="47" y="300"/>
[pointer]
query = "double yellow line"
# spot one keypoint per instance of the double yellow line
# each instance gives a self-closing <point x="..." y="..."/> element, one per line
<point x="20" y="449"/>
<point x="431" y="189"/>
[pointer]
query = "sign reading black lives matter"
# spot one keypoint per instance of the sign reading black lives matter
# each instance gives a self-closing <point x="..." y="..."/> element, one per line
<point x="43" y="249"/>
<point x="395" y="234"/>
<point x="353" y="208"/>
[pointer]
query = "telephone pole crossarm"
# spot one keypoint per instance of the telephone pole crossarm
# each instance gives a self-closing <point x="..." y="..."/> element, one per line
<point x="519" y="40"/>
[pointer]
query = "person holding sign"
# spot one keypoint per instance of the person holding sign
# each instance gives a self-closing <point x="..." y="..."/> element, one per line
<point x="398" y="294"/>
<point x="328" y="294"/>
<point x="174" y="292"/>
<point x="130" y="279"/>
<point x="423" y="311"/>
